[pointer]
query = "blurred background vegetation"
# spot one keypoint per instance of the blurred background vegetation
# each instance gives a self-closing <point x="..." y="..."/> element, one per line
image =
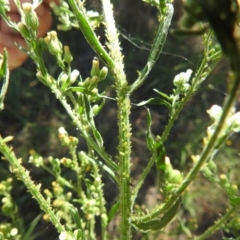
<point x="32" y="114"/>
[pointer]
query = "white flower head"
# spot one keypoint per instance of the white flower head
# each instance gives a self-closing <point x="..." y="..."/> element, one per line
<point x="63" y="236"/>
<point x="74" y="75"/>
<point x="215" y="112"/>
<point x="62" y="131"/>
<point x="182" y="78"/>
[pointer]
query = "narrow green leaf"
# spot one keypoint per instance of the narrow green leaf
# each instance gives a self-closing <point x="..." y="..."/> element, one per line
<point x="163" y="95"/>
<point x="80" y="89"/>
<point x="157" y="224"/>
<point x="29" y="235"/>
<point x="157" y="46"/>
<point x="149" y="137"/>
<point x="5" y="75"/>
<point x="75" y="215"/>
<point x="157" y="101"/>
<point x="97" y="137"/>
<point x="113" y="211"/>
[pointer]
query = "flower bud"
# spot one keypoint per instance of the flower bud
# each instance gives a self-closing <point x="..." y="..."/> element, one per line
<point x="42" y="46"/>
<point x="95" y="109"/>
<point x="175" y="177"/>
<point x="8" y="139"/>
<point x="223" y="180"/>
<point x="182" y="78"/>
<point x="212" y="166"/>
<point x="30" y="17"/>
<point x="95" y="67"/>
<point x="103" y="73"/>
<point x="66" y="162"/>
<point x="54" y="45"/>
<point x="67" y="55"/>
<point x="91" y="83"/>
<point x="48" y="193"/>
<point x="209" y="174"/>
<point x="23" y="30"/>
<point x="74" y="75"/>
<point x="233" y="190"/>
<point x="215" y="112"/>
<point x="63" y="77"/>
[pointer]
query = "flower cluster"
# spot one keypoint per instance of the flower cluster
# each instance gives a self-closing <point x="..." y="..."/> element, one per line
<point x="181" y="81"/>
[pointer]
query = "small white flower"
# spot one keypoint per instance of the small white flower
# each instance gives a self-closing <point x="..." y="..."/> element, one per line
<point x="63" y="236"/>
<point x="92" y="14"/>
<point x="215" y="112"/>
<point x="62" y="130"/>
<point x="182" y="78"/>
<point x="74" y="75"/>
<point x="14" y="232"/>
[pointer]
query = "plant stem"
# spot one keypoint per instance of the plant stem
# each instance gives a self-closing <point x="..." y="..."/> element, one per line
<point x="206" y="66"/>
<point x="123" y="113"/>
<point x="203" y="70"/>
<point x="209" y="148"/>
<point x="34" y="189"/>
<point x="217" y="225"/>
<point x="75" y="117"/>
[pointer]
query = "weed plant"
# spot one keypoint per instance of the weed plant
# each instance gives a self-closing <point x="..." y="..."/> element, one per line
<point x="74" y="203"/>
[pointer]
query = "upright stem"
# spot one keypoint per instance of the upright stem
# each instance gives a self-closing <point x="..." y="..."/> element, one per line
<point x="123" y="102"/>
<point x="218" y="224"/>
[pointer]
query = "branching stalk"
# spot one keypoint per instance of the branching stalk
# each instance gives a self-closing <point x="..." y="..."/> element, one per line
<point x="227" y="107"/>
<point x="124" y="131"/>
<point x="34" y="189"/>
<point x="217" y="225"/>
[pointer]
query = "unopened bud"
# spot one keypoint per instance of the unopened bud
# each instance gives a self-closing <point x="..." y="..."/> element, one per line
<point x="175" y="177"/>
<point x="95" y="67"/>
<point x="67" y="55"/>
<point x="212" y="166"/>
<point x="23" y="30"/>
<point x="233" y="190"/>
<point x="103" y="73"/>
<point x="8" y="139"/>
<point x="95" y="109"/>
<point x="91" y="83"/>
<point x="74" y="75"/>
<point x="63" y="77"/>
<point x="66" y="162"/>
<point x="54" y="45"/>
<point x="30" y="17"/>
<point x="223" y="179"/>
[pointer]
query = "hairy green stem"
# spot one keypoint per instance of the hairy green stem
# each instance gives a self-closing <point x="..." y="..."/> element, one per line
<point x="81" y="128"/>
<point x="34" y="189"/>
<point x="217" y="225"/>
<point x="207" y="151"/>
<point x="124" y="127"/>
<point x="198" y="78"/>
<point x="206" y="67"/>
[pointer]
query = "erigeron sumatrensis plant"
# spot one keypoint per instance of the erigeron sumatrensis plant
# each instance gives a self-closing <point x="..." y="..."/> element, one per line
<point x="79" y="203"/>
